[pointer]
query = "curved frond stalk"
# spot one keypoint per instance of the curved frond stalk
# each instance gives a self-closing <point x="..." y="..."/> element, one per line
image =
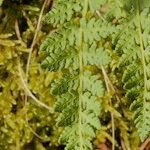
<point x="112" y="115"/>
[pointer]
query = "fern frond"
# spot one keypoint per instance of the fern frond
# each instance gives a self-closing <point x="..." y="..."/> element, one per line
<point x="93" y="30"/>
<point x="90" y="122"/>
<point x="73" y="47"/>
<point x="68" y="106"/>
<point x="63" y="11"/>
<point x="64" y="84"/>
<point x="133" y="49"/>
<point x="62" y="46"/>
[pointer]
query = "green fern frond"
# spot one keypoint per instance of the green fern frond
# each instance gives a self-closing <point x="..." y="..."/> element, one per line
<point x="74" y="47"/>
<point x="93" y="30"/>
<point x="68" y="106"/>
<point x="63" y="11"/>
<point x="93" y="84"/>
<point x="62" y="46"/>
<point x="133" y="49"/>
<point x="69" y="118"/>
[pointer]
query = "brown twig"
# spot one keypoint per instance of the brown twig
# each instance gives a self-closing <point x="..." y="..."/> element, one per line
<point x="35" y="37"/>
<point x="123" y="145"/>
<point x="25" y="82"/>
<point x="146" y="142"/>
<point x="33" y="44"/>
<point x="17" y="30"/>
<point x="29" y="92"/>
<point x="29" y="59"/>
<point x="112" y="115"/>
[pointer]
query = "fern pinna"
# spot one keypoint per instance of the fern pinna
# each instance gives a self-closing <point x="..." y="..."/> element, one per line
<point x="133" y="48"/>
<point x="72" y="48"/>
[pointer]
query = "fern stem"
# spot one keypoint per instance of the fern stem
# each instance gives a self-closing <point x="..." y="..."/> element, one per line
<point x="142" y="52"/>
<point x="80" y="90"/>
<point x="112" y="115"/>
<point x="81" y="77"/>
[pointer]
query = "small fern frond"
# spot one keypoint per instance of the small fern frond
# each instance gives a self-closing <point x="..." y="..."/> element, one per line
<point x="93" y="84"/>
<point x="90" y="122"/>
<point x="68" y="106"/>
<point x="63" y="11"/>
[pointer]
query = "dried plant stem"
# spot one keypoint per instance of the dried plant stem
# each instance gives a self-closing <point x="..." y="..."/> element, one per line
<point x="29" y="93"/>
<point x="25" y="82"/>
<point x="143" y="146"/>
<point x="33" y="44"/>
<point x="17" y="30"/>
<point x="34" y="38"/>
<point x="112" y="115"/>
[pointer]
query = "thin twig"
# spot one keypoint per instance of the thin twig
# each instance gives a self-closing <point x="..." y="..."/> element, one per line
<point x="112" y="87"/>
<point x="26" y="117"/>
<point x="17" y="30"/>
<point x="29" y="93"/>
<point x="123" y="145"/>
<point x="34" y="38"/>
<point x="99" y="14"/>
<point x="142" y="147"/>
<point x="112" y="115"/>
<point x="25" y="82"/>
